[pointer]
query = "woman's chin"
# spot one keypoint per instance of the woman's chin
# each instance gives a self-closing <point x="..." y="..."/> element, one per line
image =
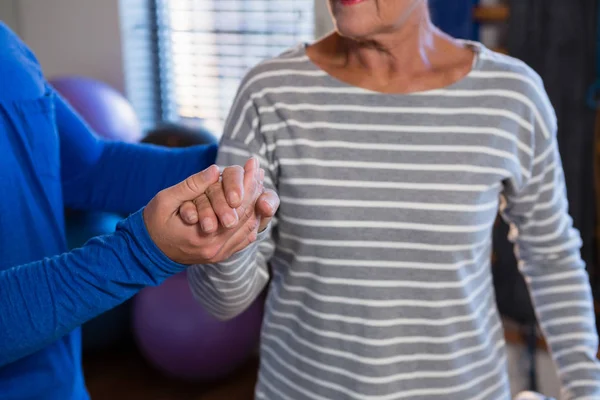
<point x="354" y="30"/>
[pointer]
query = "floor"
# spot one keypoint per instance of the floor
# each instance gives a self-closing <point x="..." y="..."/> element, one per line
<point x="122" y="374"/>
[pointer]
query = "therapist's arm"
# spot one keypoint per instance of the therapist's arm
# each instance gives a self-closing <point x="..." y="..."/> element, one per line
<point x="43" y="300"/>
<point x="115" y="176"/>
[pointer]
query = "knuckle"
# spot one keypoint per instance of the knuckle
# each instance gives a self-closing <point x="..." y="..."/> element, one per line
<point x="201" y="202"/>
<point x="188" y="205"/>
<point x="160" y="197"/>
<point x="213" y="189"/>
<point x="191" y="184"/>
<point x="252" y="237"/>
<point x="207" y="252"/>
<point x="251" y="226"/>
<point x="247" y="212"/>
<point x="205" y="255"/>
<point x="236" y="169"/>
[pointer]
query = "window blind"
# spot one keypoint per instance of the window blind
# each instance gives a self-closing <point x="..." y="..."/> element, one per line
<point x="201" y="50"/>
<point x="141" y="60"/>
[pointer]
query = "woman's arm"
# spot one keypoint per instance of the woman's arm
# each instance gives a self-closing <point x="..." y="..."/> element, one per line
<point x="548" y="250"/>
<point x="226" y="289"/>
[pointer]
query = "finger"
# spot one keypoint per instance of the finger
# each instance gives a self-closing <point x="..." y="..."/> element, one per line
<point x="248" y="208"/>
<point x="264" y="224"/>
<point x="252" y="188"/>
<point x="266" y="208"/>
<point x="251" y="175"/>
<point x="188" y="213"/>
<point x="233" y="185"/>
<point x="267" y="204"/>
<point x="226" y="215"/>
<point x="241" y="238"/>
<point x="206" y="215"/>
<point x="191" y="187"/>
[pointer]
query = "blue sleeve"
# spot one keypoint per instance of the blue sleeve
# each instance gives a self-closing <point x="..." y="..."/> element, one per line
<point x="77" y="286"/>
<point x="119" y="177"/>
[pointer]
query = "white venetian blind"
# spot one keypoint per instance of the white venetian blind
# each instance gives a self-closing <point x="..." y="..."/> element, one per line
<point x="141" y="61"/>
<point x="204" y="47"/>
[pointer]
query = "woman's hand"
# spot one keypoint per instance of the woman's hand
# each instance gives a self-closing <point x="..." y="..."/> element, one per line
<point x="185" y="242"/>
<point x="224" y="202"/>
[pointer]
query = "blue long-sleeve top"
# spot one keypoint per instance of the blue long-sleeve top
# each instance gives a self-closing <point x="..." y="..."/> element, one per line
<point x="50" y="159"/>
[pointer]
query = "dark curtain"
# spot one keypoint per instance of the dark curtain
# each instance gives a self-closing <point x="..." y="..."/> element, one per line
<point x="557" y="38"/>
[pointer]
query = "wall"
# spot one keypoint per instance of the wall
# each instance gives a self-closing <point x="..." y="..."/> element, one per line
<point x="8" y="13"/>
<point x="323" y="24"/>
<point x="71" y="36"/>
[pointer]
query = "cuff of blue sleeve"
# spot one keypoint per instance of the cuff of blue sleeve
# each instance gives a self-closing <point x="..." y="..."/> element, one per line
<point x="136" y="226"/>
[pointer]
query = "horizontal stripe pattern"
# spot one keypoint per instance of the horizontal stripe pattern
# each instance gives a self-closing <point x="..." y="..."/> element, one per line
<point x="379" y="258"/>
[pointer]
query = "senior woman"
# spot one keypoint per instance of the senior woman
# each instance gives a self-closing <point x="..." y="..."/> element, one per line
<point x="392" y="147"/>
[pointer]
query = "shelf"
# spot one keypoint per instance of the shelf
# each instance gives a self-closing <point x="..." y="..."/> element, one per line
<point x="488" y="14"/>
<point x="512" y="335"/>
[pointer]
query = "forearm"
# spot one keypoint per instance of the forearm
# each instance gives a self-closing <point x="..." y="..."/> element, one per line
<point x="228" y="288"/>
<point x="126" y="176"/>
<point x="563" y="302"/>
<point x="44" y="300"/>
<point x="113" y="176"/>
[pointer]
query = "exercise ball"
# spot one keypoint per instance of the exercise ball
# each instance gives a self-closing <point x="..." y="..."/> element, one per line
<point x="175" y="135"/>
<point x="107" y="112"/>
<point x="113" y="326"/>
<point x="180" y="338"/>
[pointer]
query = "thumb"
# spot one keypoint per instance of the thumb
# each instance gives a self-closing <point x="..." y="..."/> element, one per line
<point x="192" y="187"/>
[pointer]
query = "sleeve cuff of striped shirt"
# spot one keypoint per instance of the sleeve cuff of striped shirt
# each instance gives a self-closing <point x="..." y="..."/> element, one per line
<point x="228" y="288"/>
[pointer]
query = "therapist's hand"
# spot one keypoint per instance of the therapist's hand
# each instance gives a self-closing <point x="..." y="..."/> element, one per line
<point x="185" y="243"/>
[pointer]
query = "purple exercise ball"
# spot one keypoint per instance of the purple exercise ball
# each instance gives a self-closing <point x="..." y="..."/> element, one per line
<point x="179" y="337"/>
<point x="107" y="112"/>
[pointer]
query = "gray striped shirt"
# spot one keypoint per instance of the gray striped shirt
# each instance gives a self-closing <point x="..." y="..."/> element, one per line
<point x="380" y="281"/>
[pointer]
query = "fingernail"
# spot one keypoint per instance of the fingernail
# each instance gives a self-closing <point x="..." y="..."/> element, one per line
<point x="234" y="198"/>
<point x="256" y="163"/>
<point x="209" y="172"/>
<point x="190" y="217"/>
<point x="229" y="220"/>
<point x="207" y="224"/>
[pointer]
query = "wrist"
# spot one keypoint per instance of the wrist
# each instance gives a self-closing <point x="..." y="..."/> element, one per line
<point x="148" y="252"/>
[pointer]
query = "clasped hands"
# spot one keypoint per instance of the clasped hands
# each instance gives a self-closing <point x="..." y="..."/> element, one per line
<point x="211" y="216"/>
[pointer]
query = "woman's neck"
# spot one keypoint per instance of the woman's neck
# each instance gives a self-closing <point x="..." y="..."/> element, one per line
<point x="413" y="57"/>
<point x="405" y="49"/>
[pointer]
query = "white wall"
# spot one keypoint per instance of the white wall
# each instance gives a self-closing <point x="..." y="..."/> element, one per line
<point x="73" y="37"/>
<point x="323" y="24"/>
<point x="83" y="37"/>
